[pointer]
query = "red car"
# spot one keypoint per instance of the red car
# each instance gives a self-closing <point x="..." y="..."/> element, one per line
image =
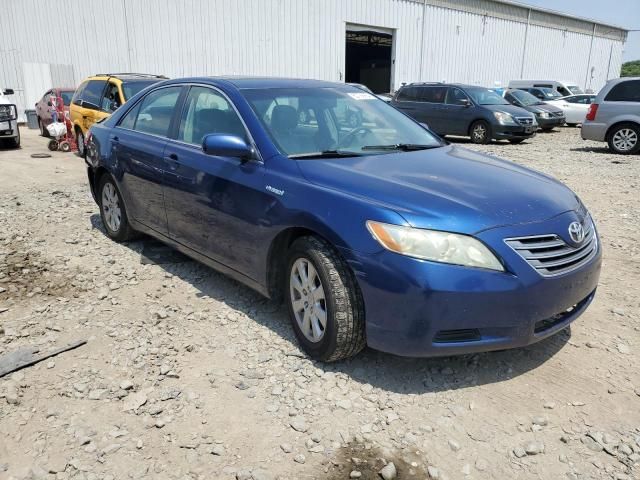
<point x="45" y="107"/>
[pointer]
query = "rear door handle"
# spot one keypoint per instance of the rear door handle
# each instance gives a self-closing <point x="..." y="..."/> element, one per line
<point x="172" y="161"/>
<point x="173" y="156"/>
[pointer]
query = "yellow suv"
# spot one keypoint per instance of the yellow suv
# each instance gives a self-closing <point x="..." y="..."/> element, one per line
<point x="100" y="95"/>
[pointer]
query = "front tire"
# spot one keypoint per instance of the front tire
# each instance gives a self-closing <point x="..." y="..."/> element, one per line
<point x="15" y="141"/>
<point x="480" y="132"/>
<point x="82" y="151"/>
<point x="624" y="139"/>
<point x="112" y="211"/>
<point x="324" y="302"/>
<point x="516" y="141"/>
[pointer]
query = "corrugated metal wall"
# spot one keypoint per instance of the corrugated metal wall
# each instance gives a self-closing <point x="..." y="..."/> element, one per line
<point x="300" y="38"/>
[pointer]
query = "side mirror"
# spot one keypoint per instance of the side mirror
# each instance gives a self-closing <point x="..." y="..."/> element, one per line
<point x="8" y="91"/>
<point x="227" y="145"/>
<point x="465" y="102"/>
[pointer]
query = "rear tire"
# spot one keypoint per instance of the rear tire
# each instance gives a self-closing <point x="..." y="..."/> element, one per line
<point x="319" y="285"/>
<point x="480" y="132"/>
<point x="43" y="130"/>
<point x="112" y="211"/>
<point x="624" y="138"/>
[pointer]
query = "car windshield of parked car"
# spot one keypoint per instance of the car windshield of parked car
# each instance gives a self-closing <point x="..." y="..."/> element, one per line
<point x="550" y="93"/>
<point x="129" y="89"/>
<point x="525" y="98"/>
<point x="574" y="89"/>
<point x="484" y="96"/>
<point x="66" y="97"/>
<point x="316" y="122"/>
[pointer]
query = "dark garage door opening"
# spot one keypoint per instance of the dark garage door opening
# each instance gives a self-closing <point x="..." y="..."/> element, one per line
<point x="368" y="59"/>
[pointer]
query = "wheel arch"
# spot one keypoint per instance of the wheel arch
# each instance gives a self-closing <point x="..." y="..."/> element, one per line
<point x="277" y="253"/>
<point x="617" y="124"/>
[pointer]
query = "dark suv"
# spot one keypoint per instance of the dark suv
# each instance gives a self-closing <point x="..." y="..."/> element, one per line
<point x="476" y="112"/>
<point x="547" y="116"/>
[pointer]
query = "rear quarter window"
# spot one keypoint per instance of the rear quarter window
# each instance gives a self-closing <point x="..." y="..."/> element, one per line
<point x="407" y="94"/>
<point x="628" y="91"/>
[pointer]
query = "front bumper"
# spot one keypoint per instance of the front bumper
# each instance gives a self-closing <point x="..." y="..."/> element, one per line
<point x="506" y="132"/>
<point x="421" y="309"/>
<point x="550" y="122"/>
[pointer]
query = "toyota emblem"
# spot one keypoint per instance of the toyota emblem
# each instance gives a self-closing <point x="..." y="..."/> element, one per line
<point x="576" y="232"/>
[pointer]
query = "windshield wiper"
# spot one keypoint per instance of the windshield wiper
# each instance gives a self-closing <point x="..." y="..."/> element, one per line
<point x="404" y="147"/>
<point x="324" y="154"/>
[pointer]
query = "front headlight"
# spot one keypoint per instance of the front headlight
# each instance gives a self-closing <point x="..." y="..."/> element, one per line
<point x="504" y="118"/>
<point x="544" y="115"/>
<point x="434" y="245"/>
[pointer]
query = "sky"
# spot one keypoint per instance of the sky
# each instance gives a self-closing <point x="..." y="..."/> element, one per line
<point x="624" y="13"/>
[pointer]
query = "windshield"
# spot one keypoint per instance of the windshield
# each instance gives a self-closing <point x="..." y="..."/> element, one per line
<point x="525" y="98"/>
<point x="66" y="97"/>
<point x="550" y="93"/>
<point x="131" y="88"/>
<point x="344" y="121"/>
<point x="484" y="96"/>
<point x="574" y="89"/>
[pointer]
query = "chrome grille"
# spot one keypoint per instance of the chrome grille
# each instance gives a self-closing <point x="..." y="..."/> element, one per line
<point x="525" y="120"/>
<point x="550" y="255"/>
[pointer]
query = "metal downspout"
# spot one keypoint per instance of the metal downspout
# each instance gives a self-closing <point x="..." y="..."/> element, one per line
<point x="424" y="11"/>
<point x="586" y="77"/>
<point x="524" y="46"/>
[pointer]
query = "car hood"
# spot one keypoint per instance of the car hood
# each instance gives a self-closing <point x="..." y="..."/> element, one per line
<point x="548" y="108"/>
<point x="510" y="109"/>
<point x="447" y="188"/>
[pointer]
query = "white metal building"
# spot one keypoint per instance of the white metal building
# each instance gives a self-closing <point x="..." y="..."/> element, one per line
<point x="382" y="43"/>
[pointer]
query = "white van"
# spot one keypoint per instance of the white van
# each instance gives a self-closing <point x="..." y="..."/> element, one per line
<point x="8" y="120"/>
<point x="562" y="87"/>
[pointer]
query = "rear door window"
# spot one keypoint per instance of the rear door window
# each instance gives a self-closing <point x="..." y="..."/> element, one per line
<point x="92" y="93"/>
<point x="155" y="112"/>
<point x="432" y="94"/>
<point x="628" y="91"/>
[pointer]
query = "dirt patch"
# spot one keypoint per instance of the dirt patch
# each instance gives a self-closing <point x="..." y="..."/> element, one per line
<point x="26" y="273"/>
<point x="369" y="461"/>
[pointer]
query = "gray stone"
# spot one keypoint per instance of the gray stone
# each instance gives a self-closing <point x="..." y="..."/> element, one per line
<point x="388" y="472"/>
<point x="298" y="424"/>
<point x="286" y="447"/>
<point x="519" y="452"/>
<point x="355" y="474"/>
<point x="433" y="472"/>
<point x="534" y="448"/>
<point x="455" y="446"/>
<point x="299" y="458"/>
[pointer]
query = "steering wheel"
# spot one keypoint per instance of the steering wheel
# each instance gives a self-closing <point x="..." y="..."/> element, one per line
<point x="348" y="138"/>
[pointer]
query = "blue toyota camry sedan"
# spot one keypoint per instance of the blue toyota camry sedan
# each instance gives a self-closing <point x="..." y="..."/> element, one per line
<point x="374" y="232"/>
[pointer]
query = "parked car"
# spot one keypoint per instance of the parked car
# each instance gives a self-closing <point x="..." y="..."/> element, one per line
<point x="45" y="107"/>
<point x="386" y="97"/>
<point x="9" y="130"/>
<point x="575" y="107"/>
<point x="614" y="116"/>
<point x="99" y="96"/>
<point x="563" y="88"/>
<point x="544" y="94"/>
<point x="382" y="235"/>
<point x="455" y="109"/>
<point x="547" y="116"/>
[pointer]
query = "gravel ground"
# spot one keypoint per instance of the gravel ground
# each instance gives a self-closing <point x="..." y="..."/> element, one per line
<point x="189" y="375"/>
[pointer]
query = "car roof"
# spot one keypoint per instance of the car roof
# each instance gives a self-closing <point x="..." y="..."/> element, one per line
<point x="442" y="84"/>
<point x="243" y="82"/>
<point x="128" y="77"/>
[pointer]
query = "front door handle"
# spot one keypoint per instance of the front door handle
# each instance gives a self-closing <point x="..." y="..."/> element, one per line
<point x="173" y="156"/>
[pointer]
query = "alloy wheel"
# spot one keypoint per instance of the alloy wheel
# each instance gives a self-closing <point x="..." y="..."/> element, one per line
<point x="111" y="207"/>
<point x="308" y="300"/>
<point x="625" y="139"/>
<point x="479" y="132"/>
